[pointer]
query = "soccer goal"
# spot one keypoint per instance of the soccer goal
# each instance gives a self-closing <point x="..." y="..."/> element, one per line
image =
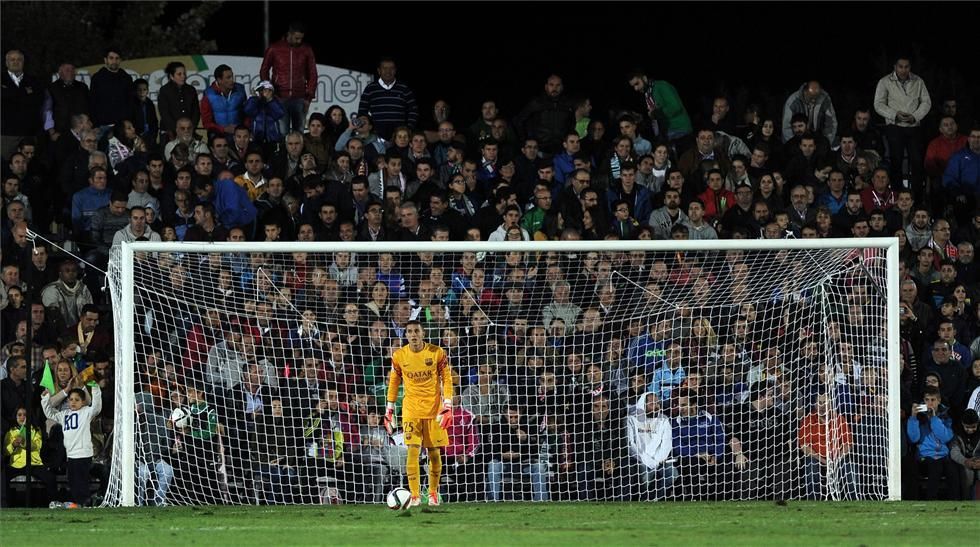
<point x="256" y="373"/>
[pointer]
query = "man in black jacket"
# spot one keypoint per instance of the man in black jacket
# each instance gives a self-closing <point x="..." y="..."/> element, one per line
<point x="21" y="98"/>
<point x="112" y="91"/>
<point x="68" y="97"/>
<point x="547" y="117"/>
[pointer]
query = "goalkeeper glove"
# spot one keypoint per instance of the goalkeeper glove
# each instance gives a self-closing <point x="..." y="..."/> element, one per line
<point x="390" y="418"/>
<point x="446" y="414"/>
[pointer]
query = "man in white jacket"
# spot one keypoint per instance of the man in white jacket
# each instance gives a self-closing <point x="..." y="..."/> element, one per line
<point x="903" y="100"/>
<point x="649" y="434"/>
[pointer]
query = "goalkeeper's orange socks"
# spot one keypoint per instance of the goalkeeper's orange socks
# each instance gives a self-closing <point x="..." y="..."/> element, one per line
<point x="435" y="470"/>
<point x="412" y="468"/>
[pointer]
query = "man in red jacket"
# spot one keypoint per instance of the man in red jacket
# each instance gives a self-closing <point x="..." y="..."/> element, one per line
<point x="290" y="66"/>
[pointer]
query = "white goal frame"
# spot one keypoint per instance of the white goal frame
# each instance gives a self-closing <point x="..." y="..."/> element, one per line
<point x="126" y="352"/>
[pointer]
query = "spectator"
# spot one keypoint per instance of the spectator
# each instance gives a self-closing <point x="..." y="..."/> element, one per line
<point x="903" y="100"/>
<point x="486" y="400"/>
<point x="648" y="431"/>
<point x="812" y="101"/>
<point x="85" y="203"/>
<point x="177" y="99"/>
<point x="929" y="430"/>
<point x="230" y="202"/>
<point x="158" y="442"/>
<point x="464" y="467"/>
<point x="106" y="222"/>
<point x="112" y="91"/>
<point x="390" y="102"/>
<point x="706" y="149"/>
<point x="15" y="451"/>
<point x="184" y="133"/>
<point x="667" y="114"/>
<point x="867" y="137"/>
<point x="941" y="149"/>
<point x="965" y="451"/>
<point x="77" y="419"/>
<point x="318" y="142"/>
<point x="66" y="97"/>
<point x="825" y="440"/>
<point x="22" y="101"/>
<point x="136" y="230"/>
<point x="65" y="298"/>
<point x="514" y="456"/>
<point x="266" y="114"/>
<point x="290" y="66"/>
<point x="700" y="443"/>
<point x="223" y="104"/>
<point x="547" y="117"/>
<point x="962" y="176"/>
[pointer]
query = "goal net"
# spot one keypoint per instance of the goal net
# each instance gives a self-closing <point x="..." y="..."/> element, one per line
<point x="643" y="370"/>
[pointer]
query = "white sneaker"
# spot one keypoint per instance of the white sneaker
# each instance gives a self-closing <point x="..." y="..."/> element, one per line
<point x="415" y="501"/>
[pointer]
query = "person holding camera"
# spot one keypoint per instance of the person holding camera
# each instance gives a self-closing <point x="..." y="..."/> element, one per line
<point x="930" y="429"/>
<point x="265" y="111"/>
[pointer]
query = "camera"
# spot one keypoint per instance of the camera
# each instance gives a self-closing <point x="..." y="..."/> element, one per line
<point x="922" y="408"/>
<point x="356" y="120"/>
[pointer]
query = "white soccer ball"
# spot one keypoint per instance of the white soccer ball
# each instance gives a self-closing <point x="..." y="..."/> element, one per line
<point x="398" y="499"/>
<point x="181" y="417"/>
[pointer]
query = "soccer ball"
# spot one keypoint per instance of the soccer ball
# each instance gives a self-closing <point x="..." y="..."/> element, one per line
<point x="181" y="417"/>
<point x="398" y="499"/>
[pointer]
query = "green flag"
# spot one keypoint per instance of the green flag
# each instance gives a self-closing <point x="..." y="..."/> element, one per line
<point x="47" y="379"/>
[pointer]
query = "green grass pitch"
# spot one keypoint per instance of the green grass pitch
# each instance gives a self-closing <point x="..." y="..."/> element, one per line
<point x="716" y="523"/>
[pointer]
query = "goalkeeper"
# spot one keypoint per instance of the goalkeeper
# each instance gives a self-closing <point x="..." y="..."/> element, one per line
<point x="426" y="408"/>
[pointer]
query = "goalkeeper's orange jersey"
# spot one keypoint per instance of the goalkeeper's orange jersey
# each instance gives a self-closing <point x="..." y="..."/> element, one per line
<point x="427" y="381"/>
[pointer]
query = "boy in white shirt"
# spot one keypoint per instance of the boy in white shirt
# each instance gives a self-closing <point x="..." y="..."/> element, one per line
<point x="76" y="426"/>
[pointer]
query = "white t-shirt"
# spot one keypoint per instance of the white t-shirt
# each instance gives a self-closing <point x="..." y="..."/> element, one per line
<point x="76" y="424"/>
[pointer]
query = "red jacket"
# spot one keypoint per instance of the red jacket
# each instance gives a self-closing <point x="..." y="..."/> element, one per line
<point x="873" y="200"/>
<point x="293" y="70"/>
<point x="716" y="203"/>
<point x="462" y="434"/>
<point x="938" y="153"/>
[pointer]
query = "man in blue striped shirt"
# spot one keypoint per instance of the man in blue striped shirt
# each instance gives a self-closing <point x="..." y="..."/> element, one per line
<point x="389" y="102"/>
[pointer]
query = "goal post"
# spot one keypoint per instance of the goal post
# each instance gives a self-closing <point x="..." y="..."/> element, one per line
<point x="786" y="307"/>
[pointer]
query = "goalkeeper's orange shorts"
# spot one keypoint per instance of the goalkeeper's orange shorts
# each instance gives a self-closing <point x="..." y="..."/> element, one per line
<point x="425" y="433"/>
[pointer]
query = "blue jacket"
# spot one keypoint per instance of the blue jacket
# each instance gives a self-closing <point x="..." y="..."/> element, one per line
<point x="564" y="165"/>
<point x="932" y="436"/>
<point x="647" y="353"/>
<point x="265" y="118"/>
<point x="665" y="380"/>
<point x="640" y="205"/>
<point x="218" y="110"/>
<point x="701" y="434"/>
<point x="232" y="205"/>
<point x="963" y="172"/>
<point x="84" y="204"/>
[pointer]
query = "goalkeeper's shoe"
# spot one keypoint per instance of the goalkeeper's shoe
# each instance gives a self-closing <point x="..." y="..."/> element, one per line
<point x="434" y="499"/>
<point x="415" y="501"/>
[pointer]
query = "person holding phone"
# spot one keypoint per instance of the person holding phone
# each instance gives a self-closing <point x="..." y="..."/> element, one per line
<point x="930" y="429"/>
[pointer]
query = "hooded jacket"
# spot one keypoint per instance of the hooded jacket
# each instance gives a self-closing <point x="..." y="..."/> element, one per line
<point x="820" y="114"/>
<point x="649" y="437"/>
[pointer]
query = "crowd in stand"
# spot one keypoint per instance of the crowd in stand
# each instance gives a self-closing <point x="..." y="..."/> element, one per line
<point x="576" y="380"/>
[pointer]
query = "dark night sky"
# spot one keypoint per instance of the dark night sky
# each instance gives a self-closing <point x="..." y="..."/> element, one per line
<point x="466" y="51"/>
